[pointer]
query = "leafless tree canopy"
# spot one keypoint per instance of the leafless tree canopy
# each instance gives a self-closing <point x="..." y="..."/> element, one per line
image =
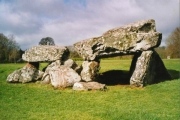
<point x="9" y="49"/>
<point x="173" y="44"/>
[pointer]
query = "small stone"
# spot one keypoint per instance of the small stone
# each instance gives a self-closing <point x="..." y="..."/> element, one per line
<point x="46" y="79"/>
<point x="89" y="86"/>
<point x="90" y="70"/>
<point x="72" y="64"/>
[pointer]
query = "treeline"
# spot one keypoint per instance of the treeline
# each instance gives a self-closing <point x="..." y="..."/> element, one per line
<point x="9" y="49"/>
<point x="172" y="49"/>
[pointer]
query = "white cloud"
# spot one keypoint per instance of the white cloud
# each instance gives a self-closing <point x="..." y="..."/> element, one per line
<point x="70" y="21"/>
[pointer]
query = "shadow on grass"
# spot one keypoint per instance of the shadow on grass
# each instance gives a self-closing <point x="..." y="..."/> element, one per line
<point x="174" y="74"/>
<point x="115" y="77"/>
<point x="122" y="77"/>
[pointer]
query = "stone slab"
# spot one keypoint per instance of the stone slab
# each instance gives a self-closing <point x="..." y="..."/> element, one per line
<point x="43" y="53"/>
<point x="139" y="36"/>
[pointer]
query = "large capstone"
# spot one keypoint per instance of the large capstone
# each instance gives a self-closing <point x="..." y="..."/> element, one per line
<point x="43" y="53"/>
<point x="129" y="39"/>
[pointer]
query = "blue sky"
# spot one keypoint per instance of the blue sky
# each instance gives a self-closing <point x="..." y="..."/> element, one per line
<point x="70" y="21"/>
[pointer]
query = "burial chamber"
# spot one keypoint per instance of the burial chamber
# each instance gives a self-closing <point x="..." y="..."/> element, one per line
<point x="138" y="39"/>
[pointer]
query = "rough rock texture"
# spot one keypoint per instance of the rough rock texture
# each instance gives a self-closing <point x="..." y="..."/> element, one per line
<point x="56" y="64"/>
<point x="72" y="64"/>
<point x="62" y="76"/>
<point x="52" y="64"/>
<point x="90" y="70"/>
<point x="89" y="86"/>
<point x="125" y="40"/>
<point x="26" y="74"/>
<point x="45" y="53"/>
<point x="46" y="79"/>
<point x="147" y="68"/>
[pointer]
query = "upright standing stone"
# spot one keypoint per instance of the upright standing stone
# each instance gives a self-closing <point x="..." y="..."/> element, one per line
<point x="148" y="68"/>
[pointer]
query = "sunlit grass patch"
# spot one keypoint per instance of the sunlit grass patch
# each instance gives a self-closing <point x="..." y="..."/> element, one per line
<point x="36" y="101"/>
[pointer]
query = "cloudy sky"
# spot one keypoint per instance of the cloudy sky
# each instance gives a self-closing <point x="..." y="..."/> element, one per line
<point x="69" y="21"/>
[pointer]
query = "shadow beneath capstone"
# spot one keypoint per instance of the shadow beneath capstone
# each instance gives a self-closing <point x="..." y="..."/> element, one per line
<point x="122" y="77"/>
<point x="115" y="77"/>
<point x="174" y="74"/>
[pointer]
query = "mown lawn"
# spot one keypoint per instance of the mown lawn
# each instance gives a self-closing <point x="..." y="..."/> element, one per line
<point x="34" y="101"/>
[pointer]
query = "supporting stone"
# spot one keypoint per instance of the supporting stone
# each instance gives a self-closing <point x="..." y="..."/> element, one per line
<point x="90" y="70"/>
<point x="147" y="68"/>
<point x="28" y="73"/>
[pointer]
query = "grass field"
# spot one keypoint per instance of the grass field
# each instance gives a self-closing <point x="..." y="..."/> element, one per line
<point x="34" y="101"/>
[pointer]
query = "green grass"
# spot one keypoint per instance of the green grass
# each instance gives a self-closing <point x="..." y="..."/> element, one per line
<point x="34" y="101"/>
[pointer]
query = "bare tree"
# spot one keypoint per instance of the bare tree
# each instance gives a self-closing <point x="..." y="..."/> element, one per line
<point x="13" y="49"/>
<point x="3" y="48"/>
<point x="161" y="51"/>
<point x="9" y="49"/>
<point x="173" y="43"/>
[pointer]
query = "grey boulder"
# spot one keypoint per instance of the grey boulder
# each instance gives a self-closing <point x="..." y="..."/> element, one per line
<point x="43" y="53"/>
<point x="62" y="76"/>
<point x="25" y="75"/>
